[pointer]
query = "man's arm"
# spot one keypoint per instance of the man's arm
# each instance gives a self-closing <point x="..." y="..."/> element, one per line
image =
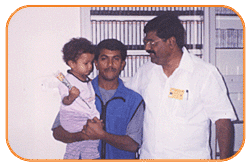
<point x="224" y="133"/>
<point x="64" y="136"/>
<point x="121" y="142"/>
<point x="94" y="129"/>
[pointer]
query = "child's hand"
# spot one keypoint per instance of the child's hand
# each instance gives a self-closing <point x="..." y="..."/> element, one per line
<point x="74" y="92"/>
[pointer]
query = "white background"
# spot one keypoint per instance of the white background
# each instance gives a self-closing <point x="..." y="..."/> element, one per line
<point x="41" y="45"/>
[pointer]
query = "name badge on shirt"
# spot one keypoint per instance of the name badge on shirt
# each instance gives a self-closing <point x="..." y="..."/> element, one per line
<point x="176" y="93"/>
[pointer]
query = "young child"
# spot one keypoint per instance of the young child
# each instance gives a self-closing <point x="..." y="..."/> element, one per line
<point x="78" y="103"/>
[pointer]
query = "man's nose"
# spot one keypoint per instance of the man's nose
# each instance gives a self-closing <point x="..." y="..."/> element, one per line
<point x="110" y="62"/>
<point x="147" y="46"/>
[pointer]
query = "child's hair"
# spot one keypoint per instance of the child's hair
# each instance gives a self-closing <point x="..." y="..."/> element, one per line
<point x="75" y="47"/>
<point x="111" y="44"/>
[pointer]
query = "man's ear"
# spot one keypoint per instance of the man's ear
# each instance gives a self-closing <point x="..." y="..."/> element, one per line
<point x="172" y="42"/>
<point x="123" y="64"/>
<point x="96" y="64"/>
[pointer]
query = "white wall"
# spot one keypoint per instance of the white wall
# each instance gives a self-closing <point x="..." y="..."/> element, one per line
<point x="36" y="36"/>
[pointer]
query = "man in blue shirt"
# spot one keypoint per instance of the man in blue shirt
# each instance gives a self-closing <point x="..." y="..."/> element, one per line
<point x="121" y="109"/>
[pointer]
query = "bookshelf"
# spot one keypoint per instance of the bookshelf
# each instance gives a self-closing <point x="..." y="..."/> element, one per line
<point x="138" y="11"/>
<point x="127" y="23"/>
<point x="229" y="38"/>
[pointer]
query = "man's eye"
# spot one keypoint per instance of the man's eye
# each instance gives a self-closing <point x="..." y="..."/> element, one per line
<point x="117" y="58"/>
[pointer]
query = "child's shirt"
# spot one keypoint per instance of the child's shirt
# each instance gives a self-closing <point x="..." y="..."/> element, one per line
<point x="75" y="115"/>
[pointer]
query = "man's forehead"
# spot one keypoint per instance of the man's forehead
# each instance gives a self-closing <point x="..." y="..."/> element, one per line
<point x="150" y="36"/>
<point x="110" y="53"/>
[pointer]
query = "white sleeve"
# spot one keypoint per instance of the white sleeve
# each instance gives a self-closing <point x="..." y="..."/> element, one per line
<point x="63" y="90"/>
<point x="215" y="98"/>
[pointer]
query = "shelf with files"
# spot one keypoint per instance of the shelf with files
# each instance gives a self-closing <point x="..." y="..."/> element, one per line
<point x="229" y="32"/>
<point x="229" y="38"/>
<point x="146" y="10"/>
<point x="229" y="42"/>
<point x="142" y="17"/>
<point x="129" y="30"/>
<point x="223" y="11"/>
<point x="126" y="24"/>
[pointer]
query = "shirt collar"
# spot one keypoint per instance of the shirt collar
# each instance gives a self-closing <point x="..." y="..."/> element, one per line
<point x="119" y="90"/>
<point x="186" y="62"/>
<point x="87" y="78"/>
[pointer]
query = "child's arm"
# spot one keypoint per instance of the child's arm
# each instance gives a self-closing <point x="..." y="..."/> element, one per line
<point x="73" y="94"/>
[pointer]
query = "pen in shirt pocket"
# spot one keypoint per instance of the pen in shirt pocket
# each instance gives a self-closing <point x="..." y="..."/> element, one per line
<point x="187" y="93"/>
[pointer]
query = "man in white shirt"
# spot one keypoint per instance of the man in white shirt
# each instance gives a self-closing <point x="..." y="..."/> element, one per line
<point x="182" y="94"/>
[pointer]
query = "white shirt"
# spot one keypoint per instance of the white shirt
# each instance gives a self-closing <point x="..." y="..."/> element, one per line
<point x="179" y="108"/>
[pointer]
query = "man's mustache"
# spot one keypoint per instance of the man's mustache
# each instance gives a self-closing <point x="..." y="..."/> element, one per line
<point x="110" y="69"/>
<point x="150" y="51"/>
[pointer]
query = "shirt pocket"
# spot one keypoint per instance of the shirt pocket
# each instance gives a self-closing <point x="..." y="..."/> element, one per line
<point x="180" y="110"/>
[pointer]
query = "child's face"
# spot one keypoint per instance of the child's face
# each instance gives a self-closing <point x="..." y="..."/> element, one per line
<point x="83" y="66"/>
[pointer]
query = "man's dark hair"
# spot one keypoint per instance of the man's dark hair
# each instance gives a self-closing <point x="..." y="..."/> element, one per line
<point x="111" y="44"/>
<point x="167" y="26"/>
<point x="75" y="47"/>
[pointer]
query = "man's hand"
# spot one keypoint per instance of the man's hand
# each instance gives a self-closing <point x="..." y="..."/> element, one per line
<point x="94" y="129"/>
